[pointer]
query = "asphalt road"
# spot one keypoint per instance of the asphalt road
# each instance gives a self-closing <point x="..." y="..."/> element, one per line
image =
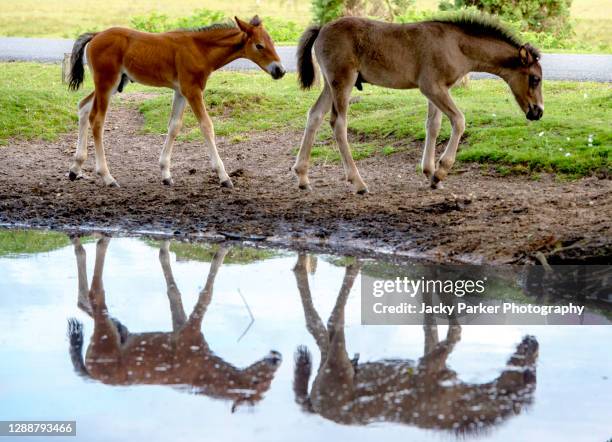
<point x="573" y="67"/>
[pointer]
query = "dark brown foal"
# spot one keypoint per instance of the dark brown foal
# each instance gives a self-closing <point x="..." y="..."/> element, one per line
<point x="431" y="56"/>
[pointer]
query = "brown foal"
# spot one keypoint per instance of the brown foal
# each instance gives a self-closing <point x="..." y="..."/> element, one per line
<point x="180" y="60"/>
<point x="431" y="56"/>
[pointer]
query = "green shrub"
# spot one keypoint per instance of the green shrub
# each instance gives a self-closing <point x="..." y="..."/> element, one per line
<point x="324" y="11"/>
<point x="153" y="22"/>
<point x="327" y="10"/>
<point x="550" y="16"/>
<point x="282" y="31"/>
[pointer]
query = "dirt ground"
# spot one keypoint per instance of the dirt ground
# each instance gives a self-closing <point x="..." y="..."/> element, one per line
<point x="478" y="217"/>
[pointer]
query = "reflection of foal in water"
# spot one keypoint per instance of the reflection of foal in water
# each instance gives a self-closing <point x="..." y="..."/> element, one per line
<point x="181" y="357"/>
<point x="427" y="394"/>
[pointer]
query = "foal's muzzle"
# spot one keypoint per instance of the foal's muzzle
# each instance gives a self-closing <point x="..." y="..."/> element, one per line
<point x="535" y="112"/>
<point x="276" y="70"/>
<point x="274" y="358"/>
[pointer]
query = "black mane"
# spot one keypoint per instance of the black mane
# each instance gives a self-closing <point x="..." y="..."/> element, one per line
<point x="485" y="25"/>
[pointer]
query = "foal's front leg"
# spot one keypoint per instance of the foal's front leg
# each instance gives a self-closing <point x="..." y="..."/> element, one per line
<point x="196" y="102"/>
<point x="80" y="156"/>
<point x="441" y="98"/>
<point x="174" y="127"/>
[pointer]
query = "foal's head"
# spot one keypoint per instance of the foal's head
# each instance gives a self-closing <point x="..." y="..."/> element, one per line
<point x="259" y="47"/>
<point x="255" y="380"/>
<point x="525" y="80"/>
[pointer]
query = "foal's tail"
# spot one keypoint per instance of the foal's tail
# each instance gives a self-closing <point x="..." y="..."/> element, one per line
<point x="306" y="69"/>
<point x="301" y="376"/>
<point x="75" y="336"/>
<point x="77" y="72"/>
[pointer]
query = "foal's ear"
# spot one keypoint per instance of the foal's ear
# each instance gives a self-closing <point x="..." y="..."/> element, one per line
<point x="244" y="26"/>
<point x="255" y="21"/>
<point x="525" y="55"/>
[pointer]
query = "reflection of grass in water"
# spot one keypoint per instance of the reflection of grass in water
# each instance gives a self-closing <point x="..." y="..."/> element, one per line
<point x="205" y="252"/>
<point x="22" y="242"/>
<point x="339" y="261"/>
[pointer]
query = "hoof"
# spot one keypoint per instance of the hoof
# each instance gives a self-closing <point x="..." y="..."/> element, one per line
<point x="168" y="181"/>
<point x="72" y="176"/>
<point x="435" y="183"/>
<point x="363" y="191"/>
<point x="227" y="184"/>
<point x="113" y="184"/>
<point x="306" y="187"/>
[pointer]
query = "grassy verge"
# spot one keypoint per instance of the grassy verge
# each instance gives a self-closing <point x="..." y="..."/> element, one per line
<point x="573" y="139"/>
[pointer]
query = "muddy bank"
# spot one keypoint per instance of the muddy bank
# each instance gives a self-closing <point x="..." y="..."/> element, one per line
<point x="479" y="216"/>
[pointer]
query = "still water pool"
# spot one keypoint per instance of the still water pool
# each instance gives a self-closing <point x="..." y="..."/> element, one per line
<point x="141" y="339"/>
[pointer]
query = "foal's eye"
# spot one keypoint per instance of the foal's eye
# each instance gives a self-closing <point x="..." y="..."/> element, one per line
<point x="259" y="47"/>
<point x="534" y="81"/>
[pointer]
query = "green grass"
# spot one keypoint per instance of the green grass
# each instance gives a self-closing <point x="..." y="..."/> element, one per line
<point x="34" y="103"/>
<point x="593" y="22"/>
<point x="383" y="123"/>
<point x="21" y="242"/>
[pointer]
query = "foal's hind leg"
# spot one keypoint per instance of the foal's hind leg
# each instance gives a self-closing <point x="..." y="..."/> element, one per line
<point x="81" y="153"/>
<point x="434" y="120"/>
<point x="174" y="127"/>
<point x="341" y="97"/>
<point x="315" y="118"/>
<point x="96" y="119"/>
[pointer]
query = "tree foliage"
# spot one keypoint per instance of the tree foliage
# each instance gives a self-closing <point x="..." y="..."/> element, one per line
<point x="325" y="11"/>
<point x="533" y="15"/>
